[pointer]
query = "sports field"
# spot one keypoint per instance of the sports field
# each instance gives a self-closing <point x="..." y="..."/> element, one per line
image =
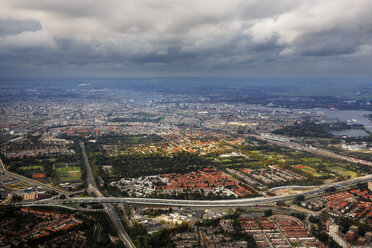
<point x="68" y="173"/>
<point x="308" y="169"/>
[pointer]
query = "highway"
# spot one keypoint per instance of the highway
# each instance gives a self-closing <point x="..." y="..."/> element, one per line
<point x="90" y="178"/>
<point x="109" y="209"/>
<point x="106" y="201"/>
<point x="216" y="203"/>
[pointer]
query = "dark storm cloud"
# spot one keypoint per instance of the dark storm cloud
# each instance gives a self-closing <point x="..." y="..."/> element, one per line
<point x="245" y="35"/>
<point x="330" y="43"/>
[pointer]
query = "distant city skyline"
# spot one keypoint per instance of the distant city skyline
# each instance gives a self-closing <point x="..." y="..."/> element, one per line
<point x="289" y="38"/>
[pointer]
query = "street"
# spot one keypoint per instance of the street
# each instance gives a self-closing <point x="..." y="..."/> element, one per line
<point x="110" y="210"/>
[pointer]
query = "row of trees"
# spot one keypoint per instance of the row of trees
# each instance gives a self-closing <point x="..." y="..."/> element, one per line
<point x="129" y="139"/>
<point x="135" y="165"/>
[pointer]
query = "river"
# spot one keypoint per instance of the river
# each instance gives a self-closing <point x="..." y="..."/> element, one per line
<point x="357" y="116"/>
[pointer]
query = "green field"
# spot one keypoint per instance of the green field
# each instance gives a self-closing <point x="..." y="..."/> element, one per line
<point x="17" y="186"/>
<point x="309" y="170"/>
<point x="314" y="166"/>
<point x="35" y="167"/>
<point x="312" y="160"/>
<point x="68" y="172"/>
<point x="253" y="152"/>
<point x="343" y="172"/>
<point x="297" y="153"/>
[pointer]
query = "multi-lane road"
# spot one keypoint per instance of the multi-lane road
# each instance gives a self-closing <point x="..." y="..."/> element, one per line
<point x="110" y="210"/>
<point x="172" y="202"/>
<point x="217" y="203"/>
<point x="89" y="174"/>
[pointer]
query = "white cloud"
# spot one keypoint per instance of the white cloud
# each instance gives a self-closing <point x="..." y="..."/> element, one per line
<point x="27" y="40"/>
<point x="300" y="27"/>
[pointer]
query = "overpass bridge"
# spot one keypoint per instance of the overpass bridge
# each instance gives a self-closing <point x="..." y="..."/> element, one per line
<point x="210" y="203"/>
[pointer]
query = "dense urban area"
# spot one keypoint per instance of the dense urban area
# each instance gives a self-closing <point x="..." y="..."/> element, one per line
<point x="93" y="165"/>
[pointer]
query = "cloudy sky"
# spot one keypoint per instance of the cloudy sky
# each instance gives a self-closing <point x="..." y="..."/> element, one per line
<point x="86" y="38"/>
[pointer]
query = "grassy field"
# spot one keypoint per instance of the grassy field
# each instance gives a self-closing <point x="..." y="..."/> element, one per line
<point x="312" y="160"/>
<point x="343" y="172"/>
<point x="17" y="186"/>
<point x="35" y="167"/>
<point x="314" y="166"/>
<point x="308" y="170"/>
<point x="68" y="172"/>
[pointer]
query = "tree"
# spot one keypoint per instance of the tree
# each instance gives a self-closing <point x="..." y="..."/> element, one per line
<point x="314" y="219"/>
<point x="268" y="212"/>
<point x="331" y="189"/>
<point x="298" y="199"/>
<point x="300" y="216"/>
<point x="281" y="204"/>
<point x="16" y="198"/>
